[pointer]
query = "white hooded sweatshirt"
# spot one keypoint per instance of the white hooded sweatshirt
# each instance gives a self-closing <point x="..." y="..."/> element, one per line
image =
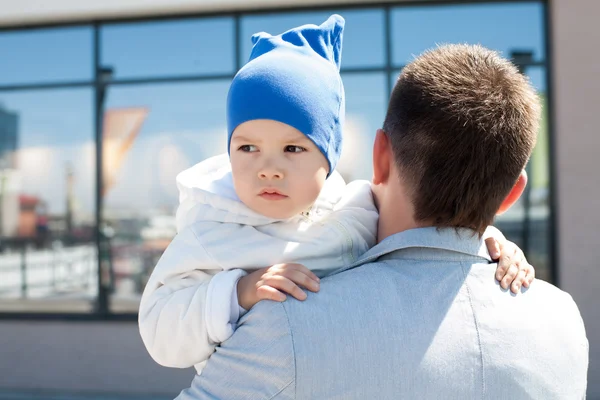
<point x="190" y="303"/>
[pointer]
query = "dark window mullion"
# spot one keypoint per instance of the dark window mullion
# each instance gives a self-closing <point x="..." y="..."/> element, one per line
<point x="388" y="49"/>
<point x="552" y="197"/>
<point x="101" y="308"/>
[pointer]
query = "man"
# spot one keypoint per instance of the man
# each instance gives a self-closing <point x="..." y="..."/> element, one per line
<point x="421" y="315"/>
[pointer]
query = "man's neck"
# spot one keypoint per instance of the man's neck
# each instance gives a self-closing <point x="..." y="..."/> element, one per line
<point x="390" y="225"/>
<point x="396" y="213"/>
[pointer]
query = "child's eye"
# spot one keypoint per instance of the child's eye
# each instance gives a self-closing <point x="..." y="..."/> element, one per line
<point x="248" y="148"/>
<point x="294" y="149"/>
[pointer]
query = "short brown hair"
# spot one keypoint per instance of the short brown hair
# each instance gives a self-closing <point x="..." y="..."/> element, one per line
<point x="462" y="122"/>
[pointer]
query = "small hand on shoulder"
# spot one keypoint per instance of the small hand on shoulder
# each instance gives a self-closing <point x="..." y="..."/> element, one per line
<point x="513" y="269"/>
<point x="273" y="283"/>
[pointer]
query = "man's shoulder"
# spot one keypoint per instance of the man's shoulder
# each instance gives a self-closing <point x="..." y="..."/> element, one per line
<point x="257" y="361"/>
<point x="347" y="292"/>
<point x="267" y="321"/>
<point x="540" y="290"/>
<point x="559" y="300"/>
<point x="266" y="314"/>
<point x="265" y="329"/>
<point x="544" y="287"/>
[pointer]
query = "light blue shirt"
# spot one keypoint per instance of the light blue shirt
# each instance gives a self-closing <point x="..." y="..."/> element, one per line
<point x="420" y="316"/>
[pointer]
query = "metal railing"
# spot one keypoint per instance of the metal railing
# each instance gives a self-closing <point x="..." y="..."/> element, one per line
<point x="30" y="273"/>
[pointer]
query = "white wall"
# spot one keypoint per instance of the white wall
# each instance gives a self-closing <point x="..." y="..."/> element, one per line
<point x="39" y="11"/>
<point x="576" y="77"/>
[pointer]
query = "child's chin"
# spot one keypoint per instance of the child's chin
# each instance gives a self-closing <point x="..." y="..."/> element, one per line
<point x="277" y="214"/>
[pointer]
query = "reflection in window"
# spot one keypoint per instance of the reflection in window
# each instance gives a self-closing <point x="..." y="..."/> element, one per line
<point x="48" y="257"/>
<point x="47" y="211"/>
<point x="503" y="27"/>
<point x="46" y="55"/>
<point x="527" y="222"/>
<point x="186" y="47"/>
<point x="366" y="104"/>
<point x="153" y="132"/>
<point x="364" y="44"/>
<point x="394" y="78"/>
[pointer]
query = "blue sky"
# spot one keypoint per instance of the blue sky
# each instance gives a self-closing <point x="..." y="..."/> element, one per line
<point x="189" y="117"/>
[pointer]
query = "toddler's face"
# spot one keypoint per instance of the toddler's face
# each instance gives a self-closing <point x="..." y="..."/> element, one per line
<point x="277" y="171"/>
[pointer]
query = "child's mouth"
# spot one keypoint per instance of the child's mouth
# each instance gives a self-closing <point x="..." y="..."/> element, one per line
<point x="272" y="194"/>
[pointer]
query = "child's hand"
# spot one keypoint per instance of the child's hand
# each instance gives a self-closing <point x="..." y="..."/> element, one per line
<point x="272" y="283"/>
<point x="513" y="269"/>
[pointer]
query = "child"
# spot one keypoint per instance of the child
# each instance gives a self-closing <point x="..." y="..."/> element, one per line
<point x="275" y="199"/>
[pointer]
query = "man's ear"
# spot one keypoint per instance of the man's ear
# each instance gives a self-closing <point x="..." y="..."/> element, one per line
<point x="514" y="194"/>
<point x="382" y="157"/>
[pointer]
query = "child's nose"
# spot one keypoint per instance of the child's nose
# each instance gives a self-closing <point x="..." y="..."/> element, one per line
<point x="270" y="173"/>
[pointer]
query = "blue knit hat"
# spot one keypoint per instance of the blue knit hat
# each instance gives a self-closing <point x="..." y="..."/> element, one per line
<point x="294" y="78"/>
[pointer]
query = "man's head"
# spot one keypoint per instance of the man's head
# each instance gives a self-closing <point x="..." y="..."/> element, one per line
<point x="460" y="127"/>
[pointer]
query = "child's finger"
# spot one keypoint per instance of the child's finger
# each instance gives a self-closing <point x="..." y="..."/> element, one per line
<point x="266" y="292"/>
<point x="302" y="279"/>
<point x="306" y="271"/>
<point x="503" y="264"/>
<point x="500" y="271"/>
<point x="510" y="276"/>
<point x="507" y="259"/>
<point x="493" y="247"/>
<point x="518" y="282"/>
<point x="285" y="285"/>
<point x="530" y="276"/>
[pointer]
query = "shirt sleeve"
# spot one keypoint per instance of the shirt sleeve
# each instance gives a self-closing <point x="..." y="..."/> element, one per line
<point x="222" y="308"/>
<point x="257" y="362"/>
<point x="172" y="314"/>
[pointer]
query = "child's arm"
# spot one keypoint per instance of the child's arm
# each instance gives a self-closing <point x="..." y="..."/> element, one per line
<point x="513" y="269"/>
<point x="187" y="304"/>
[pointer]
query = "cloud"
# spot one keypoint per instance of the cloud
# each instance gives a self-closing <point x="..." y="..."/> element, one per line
<point x="145" y="181"/>
<point x="355" y="161"/>
<point x="43" y="171"/>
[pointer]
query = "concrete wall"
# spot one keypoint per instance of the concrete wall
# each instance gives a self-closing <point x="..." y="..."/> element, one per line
<point x="576" y="82"/>
<point x="106" y="357"/>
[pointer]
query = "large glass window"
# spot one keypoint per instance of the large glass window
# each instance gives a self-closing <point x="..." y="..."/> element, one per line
<point x="173" y="48"/>
<point x="500" y="26"/>
<point x="47" y="206"/>
<point x="364" y="44"/>
<point x="366" y="101"/>
<point x="152" y="132"/>
<point x="527" y="222"/>
<point x="160" y="87"/>
<point x="46" y="55"/>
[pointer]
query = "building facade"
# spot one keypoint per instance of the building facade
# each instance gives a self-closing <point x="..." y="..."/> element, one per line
<point x="105" y="103"/>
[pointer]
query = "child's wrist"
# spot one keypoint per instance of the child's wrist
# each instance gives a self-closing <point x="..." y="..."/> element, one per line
<point x="245" y="299"/>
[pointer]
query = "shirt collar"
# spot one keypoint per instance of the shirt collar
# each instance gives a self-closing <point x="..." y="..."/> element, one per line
<point x="460" y="241"/>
